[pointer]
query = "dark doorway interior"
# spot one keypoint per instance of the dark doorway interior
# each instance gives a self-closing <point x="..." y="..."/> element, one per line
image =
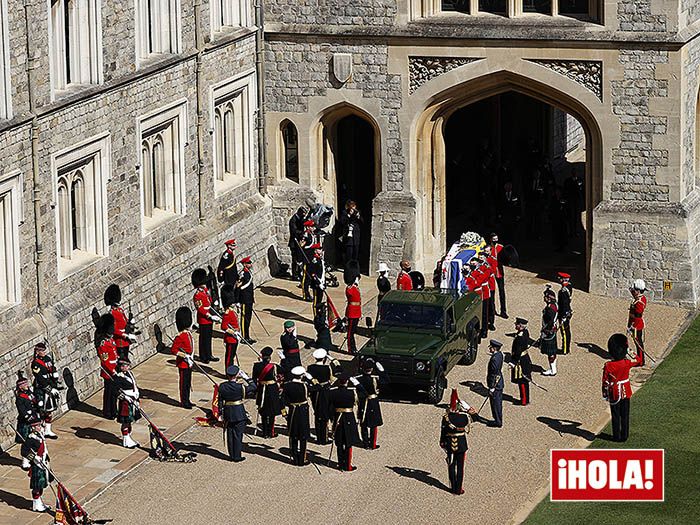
<point x="516" y="166"/>
<point x="355" y="166"/>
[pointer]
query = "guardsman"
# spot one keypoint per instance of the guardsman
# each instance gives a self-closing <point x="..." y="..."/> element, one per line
<point x="27" y="410"/>
<point x="229" y="324"/>
<point x="317" y="277"/>
<point x="35" y="450"/>
<point x="183" y="349"/>
<point x="635" y="320"/>
<point x="616" y="384"/>
<point x="122" y="337"/>
<point x="232" y="394"/>
<point x="403" y="280"/>
<point x="45" y="386"/>
<point x="494" y="380"/>
<point x="369" y="411"/>
<point x="307" y="240"/>
<point x="107" y="352"/>
<point x="227" y="271"/>
<point x="205" y="316"/>
<point x="488" y="264"/>
<point x="496" y="249"/>
<point x="128" y="395"/>
<point x="453" y="439"/>
<point x="246" y="296"/>
<point x="548" y="334"/>
<point x="267" y="375"/>
<point x="565" y="311"/>
<point x="290" y="347"/>
<point x="323" y="373"/>
<point x="383" y="283"/>
<point x="296" y="399"/>
<point x="481" y="281"/>
<point x="353" y="312"/>
<point x="343" y="399"/>
<point x="521" y="371"/>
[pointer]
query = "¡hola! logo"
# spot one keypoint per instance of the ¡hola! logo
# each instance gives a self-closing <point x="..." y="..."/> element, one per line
<point x="607" y="475"/>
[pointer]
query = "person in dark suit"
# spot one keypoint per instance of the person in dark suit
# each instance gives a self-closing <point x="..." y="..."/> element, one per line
<point x="494" y="381"/>
<point x="351" y="221"/>
<point x="246" y="296"/>
<point x="232" y="393"/>
<point x="296" y="232"/>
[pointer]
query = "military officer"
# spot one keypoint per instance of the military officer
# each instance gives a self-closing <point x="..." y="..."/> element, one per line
<point x="496" y="249"/>
<point x="317" y="277"/>
<point x="107" y="352"/>
<point x="565" y="311"/>
<point x="183" y="349"/>
<point x="353" y="310"/>
<point x="307" y="240"/>
<point x="232" y="393"/>
<point x="635" y="320"/>
<point x="369" y="411"/>
<point x="122" y="337"/>
<point x="383" y="283"/>
<point x="27" y="410"/>
<point x="246" y="296"/>
<point x="267" y="375"/>
<point x="403" y="279"/>
<point x="35" y="450"/>
<point x="296" y="233"/>
<point x="205" y="316"/>
<point x="323" y="372"/>
<point x="229" y="323"/>
<point x="227" y="271"/>
<point x="453" y="439"/>
<point x="290" y="347"/>
<point x="494" y="381"/>
<point x="296" y="399"/>
<point x="548" y="334"/>
<point x="521" y="371"/>
<point x="616" y="384"/>
<point x="343" y="399"/>
<point x="128" y="405"/>
<point x="489" y="266"/>
<point x="45" y="386"/>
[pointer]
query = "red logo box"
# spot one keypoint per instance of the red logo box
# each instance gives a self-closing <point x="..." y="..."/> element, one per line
<point x="606" y="475"/>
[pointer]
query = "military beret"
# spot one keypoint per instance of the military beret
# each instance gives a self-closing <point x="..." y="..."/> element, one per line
<point x="266" y="352"/>
<point x="288" y="324"/>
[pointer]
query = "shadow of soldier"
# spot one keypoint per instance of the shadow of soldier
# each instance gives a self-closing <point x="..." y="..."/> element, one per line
<point x="419" y="475"/>
<point x="566" y="426"/>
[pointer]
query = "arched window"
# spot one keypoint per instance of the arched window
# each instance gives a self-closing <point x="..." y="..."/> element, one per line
<point x="157" y="171"/>
<point x="147" y="173"/>
<point x="64" y="222"/>
<point x="78" y="212"/>
<point x="290" y="150"/>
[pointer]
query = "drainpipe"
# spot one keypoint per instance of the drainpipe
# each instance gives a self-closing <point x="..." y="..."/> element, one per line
<point x="32" y="61"/>
<point x="260" y="77"/>
<point x="199" y="43"/>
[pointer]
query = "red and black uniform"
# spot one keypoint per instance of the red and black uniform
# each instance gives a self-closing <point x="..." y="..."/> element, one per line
<point x="635" y="321"/>
<point x="184" y="343"/>
<point x="296" y="399"/>
<point x="227" y="271"/>
<point x="491" y="266"/>
<point x="290" y="348"/>
<point x="404" y="281"/>
<point x="34" y="448"/>
<point x="343" y="400"/>
<point x="521" y="372"/>
<point x="353" y="312"/>
<point x="453" y="440"/>
<point x="322" y="374"/>
<point x="27" y="410"/>
<point x="45" y="383"/>
<point x="107" y="351"/>
<point x="246" y="291"/>
<point x="230" y="324"/>
<point x="202" y="303"/>
<point x="120" y="321"/>
<point x="369" y="410"/>
<point x="565" y="313"/>
<point x="317" y="280"/>
<point x="617" y="391"/>
<point x="500" y="278"/>
<point x="267" y="375"/>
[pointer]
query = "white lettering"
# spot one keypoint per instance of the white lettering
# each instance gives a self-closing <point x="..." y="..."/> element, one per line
<point x="633" y="475"/>
<point x="597" y="474"/>
<point x="614" y="478"/>
<point x="562" y="473"/>
<point x="577" y="474"/>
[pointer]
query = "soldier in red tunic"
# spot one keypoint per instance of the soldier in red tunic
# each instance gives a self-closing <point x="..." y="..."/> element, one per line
<point x="353" y="310"/>
<point x="205" y="317"/>
<point x="496" y="249"/>
<point x="403" y="280"/>
<point x="229" y="324"/>
<point x="107" y="352"/>
<point x="635" y="320"/>
<point x="489" y="266"/>
<point x="616" y="384"/>
<point x="122" y="338"/>
<point x="183" y="348"/>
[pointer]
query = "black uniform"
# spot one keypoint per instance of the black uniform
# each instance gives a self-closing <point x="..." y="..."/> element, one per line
<point x="369" y="411"/>
<point x="342" y="402"/>
<point x="127" y="406"/>
<point x="290" y="349"/>
<point x="351" y="223"/>
<point x="565" y="313"/>
<point x="548" y="336"/>
<point x="383" y="286"/>
<point x="494" y="380"/>
<point x="231" y="396"/>
<point x="320" y="397"/>
<point x="27" y="409"/>
<point x="227" y="272"/>
<point x="45" y="383"/>
<point x="296" y="399"/>
<point x="265" y="374"/>
<point x="453" y="439"/>
<point x="521" y="372"/>
<point x="317" y="274"/>
<point x="307" y="240"/>
<point x="246" y="296"/>
<point x="296" y="232"/>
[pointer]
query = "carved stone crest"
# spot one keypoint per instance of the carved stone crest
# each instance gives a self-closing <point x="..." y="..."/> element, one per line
<point x="424" y="69"/>
<point x="342" y="67"/>
<point x="588" y="73"/>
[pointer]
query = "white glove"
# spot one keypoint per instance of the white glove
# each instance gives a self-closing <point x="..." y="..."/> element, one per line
<point x="492" y="390"/>
<point x="54" y="392"/>
<point x="281" y="354"/>
<point x="354" y="381"/>
<point x="55" y="374"/>
<point x="243" y="375"/>
<point x="215" y="318"/>
<point x="237" y="335"/>
<point x="189" y="360"/>
<point x="131" y="337"/>
<point x="216" y="303"/>
<point x="37" y="460"/>
<point x="379" y="366"/>
<point x="308" y="376"/>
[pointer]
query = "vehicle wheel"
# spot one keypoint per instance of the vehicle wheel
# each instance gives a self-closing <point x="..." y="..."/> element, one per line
<point x="472" y="348"/>
<point x="437" y="389"/>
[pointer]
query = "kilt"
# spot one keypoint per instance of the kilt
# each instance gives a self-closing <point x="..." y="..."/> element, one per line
<point x="127" y="413"/>
<point x="23" y="429"/>
<point x="38" y="478"/>
<point x="549" y="346"/>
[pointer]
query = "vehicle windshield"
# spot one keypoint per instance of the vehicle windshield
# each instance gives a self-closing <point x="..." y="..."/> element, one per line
<point x="411" y="315"/>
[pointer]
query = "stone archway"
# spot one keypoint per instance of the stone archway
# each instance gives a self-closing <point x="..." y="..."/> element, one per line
<point x="429" y="176"/>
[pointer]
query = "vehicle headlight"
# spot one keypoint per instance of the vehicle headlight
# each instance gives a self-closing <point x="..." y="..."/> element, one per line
<point x="420" y="366"/>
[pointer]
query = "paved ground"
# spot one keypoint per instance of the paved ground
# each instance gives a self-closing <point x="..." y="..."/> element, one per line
<point x="403" y="481"/>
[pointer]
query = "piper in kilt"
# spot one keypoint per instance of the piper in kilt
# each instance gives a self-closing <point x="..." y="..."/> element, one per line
<point x="27" y="411"/>
<point x="45" y="386"/>
<point x="128" y="404"/>
<point x="34" y="448"/>
<point x="548" y="335"/>
<point x="369" y="411"/>
<point x="521" y="371"/>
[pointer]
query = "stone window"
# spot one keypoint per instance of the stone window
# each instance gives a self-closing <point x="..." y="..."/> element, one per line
<point x="10" y="219"/>
<point x="498" y="7"/>
<point x="158" y="27"/>
<point x="230" y="13"/>
<point x="81" y="175"/>
<point x="583" y="9"/>
<point x="163" y="135"/>
<point x="290" y="150"/>
<point x="76" y="43"/>
<point x="5" y="101"/>
<point x="234" y="106"/>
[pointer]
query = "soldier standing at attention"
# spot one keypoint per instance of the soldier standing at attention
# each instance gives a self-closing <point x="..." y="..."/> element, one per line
<point x="290" y="347"/>
<point x="489" y="266"/>
<point x="635" y="320"/>
<point x="494" y="380"/>
<point x="383" y="283"/>
<point x="496" y="249"/>
<point x="351" y="220"/>
<point x="123" y="339"/>
<point x="521" y="371"/>
<point x="27" y="410"/>
<point x="403" y="280"/>
<point x="296" y="399"/>
<point x="353" y="310"/>
<point x="343" y="400"/>
<point x="35" y="450"/>
<point x="232" y="393"/>
<point x="369" y="411"/>
<point x="227" y="271"/>
<point x="322" y="372"/>
<point x="307" y="240"/>
<point x="296" y="232"/>
<point x="128" y="406"/>
<point x="616" y="384"/>
<point x="266" y="375"/>
<point x="229" y="323"/>
<point x="183" y="348"/>
<point x="565" y="311"/>
<point x="548" y="335"/>
<point x="453" y="440"/>
<point x="246" y="296"/>
<point x="45" y="386"/>
<point x="317" y="278"/>
<point x="205" y="317"/>
<point x="107" y="352"/>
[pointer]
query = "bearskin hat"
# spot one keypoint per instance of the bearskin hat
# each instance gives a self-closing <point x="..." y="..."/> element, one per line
<point x="617" y="346"/>
<point x="367" y="365"/>
<point x="417" y="279"/>
<point x="228" y="295"/>
<point x="183" y="318"/>
<point x="105" y="324"/>
<point x="113" y="295"/>
<point x="351" y="272"/>
<point x="199" y="277"/>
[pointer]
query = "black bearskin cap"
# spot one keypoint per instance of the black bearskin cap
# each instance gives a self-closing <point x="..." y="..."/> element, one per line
<point x="199" y="277"/>
<point x="113" y="295"/>
<point x="617" y="346"/>
<point x="351" y="272"/>
<point x="105" y="324"/>
<point x="228" y="295"/>
<point x="183" y="318"/>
